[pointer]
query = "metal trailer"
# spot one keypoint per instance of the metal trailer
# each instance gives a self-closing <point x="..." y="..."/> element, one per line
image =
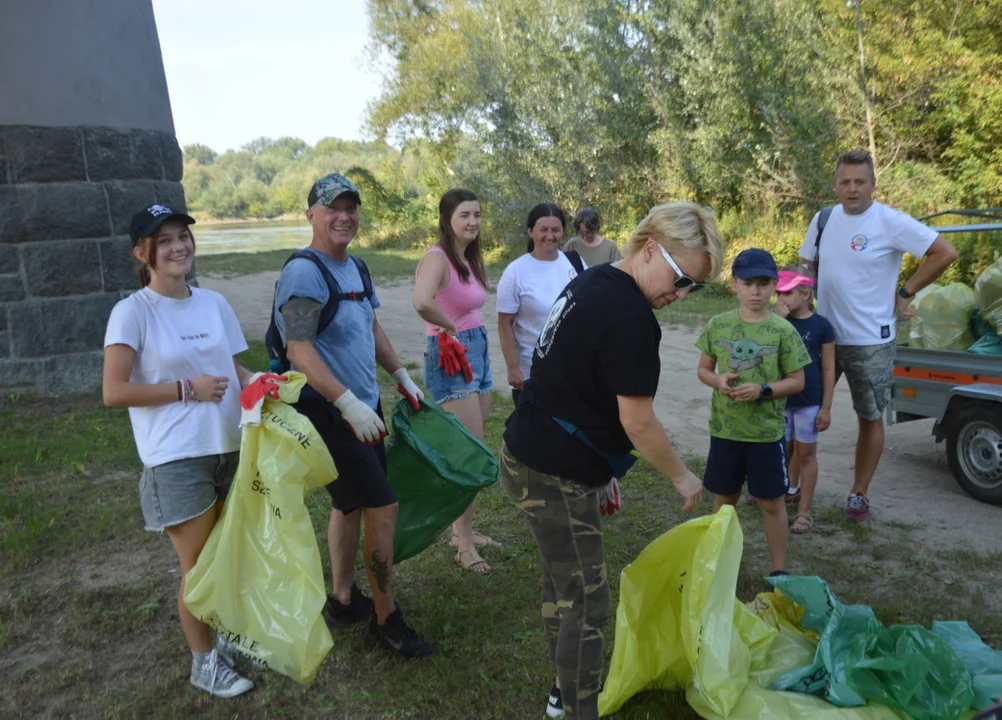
<point x="962" y="392"/>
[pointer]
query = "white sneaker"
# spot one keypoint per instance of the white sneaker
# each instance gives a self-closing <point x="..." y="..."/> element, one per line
<point x="210" y="673"/>
<point x="233" y="658"/>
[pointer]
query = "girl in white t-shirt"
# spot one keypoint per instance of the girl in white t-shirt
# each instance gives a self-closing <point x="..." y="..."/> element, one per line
<point x="527" y="290"/>
<point x="171" y="357"/>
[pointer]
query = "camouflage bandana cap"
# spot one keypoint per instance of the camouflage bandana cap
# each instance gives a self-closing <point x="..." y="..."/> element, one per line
<point x="328" y="188"/>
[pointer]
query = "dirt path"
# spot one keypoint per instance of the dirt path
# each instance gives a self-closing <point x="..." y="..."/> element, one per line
<point x="913" y="483"/>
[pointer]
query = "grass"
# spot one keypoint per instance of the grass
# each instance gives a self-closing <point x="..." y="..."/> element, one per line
<point x="88" y="624"/>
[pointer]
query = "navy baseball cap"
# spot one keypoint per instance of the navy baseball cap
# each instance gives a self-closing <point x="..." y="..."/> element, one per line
<point x="148" y="220"/>
<point x="754" y="263"/>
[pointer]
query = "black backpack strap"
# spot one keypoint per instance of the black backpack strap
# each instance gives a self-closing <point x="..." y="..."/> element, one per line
<point x="823" y="216"/>
<point x="575" y="259"/>
<point x="363" y="272"/>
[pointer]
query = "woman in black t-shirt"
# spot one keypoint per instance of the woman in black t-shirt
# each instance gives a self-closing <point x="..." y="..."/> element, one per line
<point x="586" y="412"/>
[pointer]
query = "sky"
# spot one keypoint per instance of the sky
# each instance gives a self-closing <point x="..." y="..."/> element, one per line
<point x="237" y="71"/>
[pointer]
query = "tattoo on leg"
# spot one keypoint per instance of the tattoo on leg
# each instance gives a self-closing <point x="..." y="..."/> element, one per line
<point x="380" y="571"/>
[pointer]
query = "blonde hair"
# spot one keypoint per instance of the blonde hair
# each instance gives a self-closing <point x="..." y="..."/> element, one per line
<point x="680" y="225"/>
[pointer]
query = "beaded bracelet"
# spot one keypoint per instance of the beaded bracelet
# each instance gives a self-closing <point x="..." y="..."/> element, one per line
<point x="187" y="393"/>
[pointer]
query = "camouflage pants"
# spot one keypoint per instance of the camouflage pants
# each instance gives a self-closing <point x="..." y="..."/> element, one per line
<point x="564" y="519"/>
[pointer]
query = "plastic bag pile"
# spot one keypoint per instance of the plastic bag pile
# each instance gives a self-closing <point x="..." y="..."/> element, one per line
<point x="955" y="318"/>
<point x="796" y="653"/>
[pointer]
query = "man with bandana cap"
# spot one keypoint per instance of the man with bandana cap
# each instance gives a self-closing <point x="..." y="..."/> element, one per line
<point x="341" y="399"/>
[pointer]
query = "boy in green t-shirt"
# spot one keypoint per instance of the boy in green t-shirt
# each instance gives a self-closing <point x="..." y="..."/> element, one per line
<point x="760" y="358"/>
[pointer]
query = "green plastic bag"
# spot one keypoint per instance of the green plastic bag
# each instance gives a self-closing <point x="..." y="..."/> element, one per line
<point x="944" y="315"/>
<point x="436" y="467"/>
<point x="982" y="662"/>
<point x="259" y="580"/>
<point x="911" y="668"/>
<point x="988" y="294"/>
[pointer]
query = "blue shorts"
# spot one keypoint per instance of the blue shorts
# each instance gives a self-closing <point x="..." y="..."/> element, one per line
<point x="801" y="424"/>
<point x="730" y="462"/>
<point x="442" y="386"/>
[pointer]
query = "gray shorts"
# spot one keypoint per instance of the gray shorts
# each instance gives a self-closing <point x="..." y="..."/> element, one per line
<point x="869" y="370"/>
<point x="178" y="491"/>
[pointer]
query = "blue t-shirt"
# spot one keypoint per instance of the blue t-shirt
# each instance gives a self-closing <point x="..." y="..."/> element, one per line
<point x="347" y="345"/>
<point x="815" y="331"/>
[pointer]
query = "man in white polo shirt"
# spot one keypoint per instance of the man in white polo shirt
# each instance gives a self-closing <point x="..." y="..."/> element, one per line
<point x="858" y="261"/>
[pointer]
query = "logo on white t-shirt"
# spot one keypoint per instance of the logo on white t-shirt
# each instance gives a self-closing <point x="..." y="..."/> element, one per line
<point x="571" y="274"/>
<point x="859" y="243"/>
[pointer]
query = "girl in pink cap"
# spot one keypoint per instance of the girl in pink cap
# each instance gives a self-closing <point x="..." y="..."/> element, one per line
<point x="808" y="412"/>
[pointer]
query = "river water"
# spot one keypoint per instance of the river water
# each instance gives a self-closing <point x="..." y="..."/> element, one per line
<point x="251" y="237"/>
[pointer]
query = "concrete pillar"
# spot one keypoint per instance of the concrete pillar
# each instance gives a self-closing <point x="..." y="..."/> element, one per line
<point x="86" y="140"/>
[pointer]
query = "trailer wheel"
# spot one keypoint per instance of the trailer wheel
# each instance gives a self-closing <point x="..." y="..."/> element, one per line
<point x="974" y="450"/>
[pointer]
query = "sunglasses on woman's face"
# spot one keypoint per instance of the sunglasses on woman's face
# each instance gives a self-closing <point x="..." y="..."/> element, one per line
<point x="683" y="281"/>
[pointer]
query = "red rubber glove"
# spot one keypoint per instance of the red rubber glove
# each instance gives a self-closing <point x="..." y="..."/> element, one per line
<point x="608" y="498"/>
<point x="261" y="385"/>
<point x="452" y="356"/>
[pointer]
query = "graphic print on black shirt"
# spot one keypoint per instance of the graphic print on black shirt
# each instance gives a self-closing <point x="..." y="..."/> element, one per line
<point x="600" y="340"/>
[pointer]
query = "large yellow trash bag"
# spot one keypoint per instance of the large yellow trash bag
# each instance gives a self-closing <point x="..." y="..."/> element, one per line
<point x="672" y="601"/>
<point x="259" y="580"/>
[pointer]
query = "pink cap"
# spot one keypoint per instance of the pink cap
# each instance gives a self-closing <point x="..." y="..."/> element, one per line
<point x="789" y="280"/>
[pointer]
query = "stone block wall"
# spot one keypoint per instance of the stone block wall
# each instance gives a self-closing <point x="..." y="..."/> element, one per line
<point x="66" y="197"/>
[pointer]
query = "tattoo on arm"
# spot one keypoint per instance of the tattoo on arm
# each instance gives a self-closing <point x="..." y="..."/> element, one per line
<point x="380" y="568"/>
<point x="301" y="316"/>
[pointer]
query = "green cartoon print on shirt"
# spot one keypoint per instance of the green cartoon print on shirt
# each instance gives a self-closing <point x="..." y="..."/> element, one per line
<point x="746" y="353"/>
<point x="758" y="352"/>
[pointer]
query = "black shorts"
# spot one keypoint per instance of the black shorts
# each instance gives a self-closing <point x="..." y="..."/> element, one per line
<point x="730" y="462"/>
<point x="361" y="468"/>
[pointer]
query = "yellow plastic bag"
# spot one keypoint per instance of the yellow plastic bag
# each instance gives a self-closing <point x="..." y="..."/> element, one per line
<point x="679" y="626"/>
<point x="259" y="580"/>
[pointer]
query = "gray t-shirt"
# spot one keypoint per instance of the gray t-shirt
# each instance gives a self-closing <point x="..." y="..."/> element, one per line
<point x="347" y="345"/>
<point x="605" y="251"/>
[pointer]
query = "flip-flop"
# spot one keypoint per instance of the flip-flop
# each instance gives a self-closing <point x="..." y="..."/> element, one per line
<point x="807" y="519"/>
<point x="470" y="559"/>
<point x="479" y="540"/>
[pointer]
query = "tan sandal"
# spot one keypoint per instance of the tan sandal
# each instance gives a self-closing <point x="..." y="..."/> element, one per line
<point x="470" y="559"/>
<point x="803" y="523"/>
<point x="479" y="540"/>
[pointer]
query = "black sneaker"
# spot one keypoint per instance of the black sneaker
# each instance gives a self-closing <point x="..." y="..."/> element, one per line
<point x="397" y="636"/>
<point x="359" y="608"/>
<point x="555" y="705"/>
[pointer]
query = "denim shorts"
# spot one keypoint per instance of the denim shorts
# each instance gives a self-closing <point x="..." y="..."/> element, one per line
<point x="178" y="491"/>
<point x="443" y="387"/>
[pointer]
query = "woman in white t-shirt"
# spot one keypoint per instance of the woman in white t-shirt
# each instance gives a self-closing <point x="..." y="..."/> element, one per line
<point x="171" y="357"/>
<point x="528" y="288"/>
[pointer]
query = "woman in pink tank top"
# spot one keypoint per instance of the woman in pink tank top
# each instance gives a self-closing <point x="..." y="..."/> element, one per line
<point x="450" y="290"/>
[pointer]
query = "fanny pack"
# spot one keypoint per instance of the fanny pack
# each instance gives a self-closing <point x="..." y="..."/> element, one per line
<point x="620" y="463"/>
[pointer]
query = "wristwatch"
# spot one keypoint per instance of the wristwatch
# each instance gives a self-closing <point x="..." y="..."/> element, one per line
<point x="903" y="293"/>
<point x="766" y="392"/>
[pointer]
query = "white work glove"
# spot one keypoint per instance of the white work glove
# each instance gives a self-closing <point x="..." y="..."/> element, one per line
<point x="407" y="388"/>
<point x="363" y="419"/>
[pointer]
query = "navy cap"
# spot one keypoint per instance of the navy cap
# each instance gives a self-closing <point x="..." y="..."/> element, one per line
<point x="753" y="263"/>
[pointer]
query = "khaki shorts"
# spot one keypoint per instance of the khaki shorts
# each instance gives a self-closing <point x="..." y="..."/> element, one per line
<point x="869" y="370"/>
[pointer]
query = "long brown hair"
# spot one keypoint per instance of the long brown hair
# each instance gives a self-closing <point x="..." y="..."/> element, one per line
<point x="147" y="248"/>
<point x="446" y="240"/>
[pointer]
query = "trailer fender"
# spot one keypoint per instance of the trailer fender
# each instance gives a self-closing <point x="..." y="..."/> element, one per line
<point x="963" y="396"/>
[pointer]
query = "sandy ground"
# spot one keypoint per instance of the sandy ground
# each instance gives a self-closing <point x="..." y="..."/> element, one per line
<point x="913" y="483"/>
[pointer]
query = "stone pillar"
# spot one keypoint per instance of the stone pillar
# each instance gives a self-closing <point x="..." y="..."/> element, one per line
<point x="86" y="140"/>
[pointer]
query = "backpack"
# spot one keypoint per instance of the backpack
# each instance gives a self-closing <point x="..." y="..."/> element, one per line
<point x="575" y="259"/>
<point x="823" y="216"/>
<point x="277" y="351"/>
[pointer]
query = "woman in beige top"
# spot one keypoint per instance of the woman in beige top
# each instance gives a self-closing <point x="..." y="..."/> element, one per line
<point x="594" y="248"/>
